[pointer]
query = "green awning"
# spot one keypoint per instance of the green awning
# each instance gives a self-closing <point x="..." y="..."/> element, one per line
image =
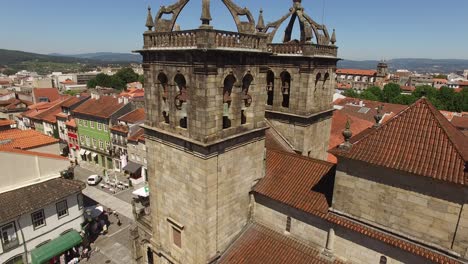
<point x="55" y="247"/>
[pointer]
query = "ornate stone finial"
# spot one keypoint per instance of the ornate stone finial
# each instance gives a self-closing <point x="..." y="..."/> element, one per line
<point x="378" y="117"/>
<point x="149" y="20"/>
<point x="206" y="13"/>
<point x="333" y="38"/>
<point x="347" y="134"/>
<point x="261" y="22"/>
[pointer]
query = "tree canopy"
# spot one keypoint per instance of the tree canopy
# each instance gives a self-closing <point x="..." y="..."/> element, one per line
<point x="117" y="81"/>
<point x="391" y="91"/>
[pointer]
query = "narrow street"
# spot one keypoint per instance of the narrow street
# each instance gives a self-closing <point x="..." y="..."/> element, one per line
<point x="115" y="246"/>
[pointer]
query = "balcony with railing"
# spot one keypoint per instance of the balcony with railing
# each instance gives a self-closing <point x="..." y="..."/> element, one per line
<point x="303" y="49"/>
<point x="204" y="39"/>
<point x="142" y="212"/>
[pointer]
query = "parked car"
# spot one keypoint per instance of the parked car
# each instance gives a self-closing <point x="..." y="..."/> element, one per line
<point x="94" y="179"/>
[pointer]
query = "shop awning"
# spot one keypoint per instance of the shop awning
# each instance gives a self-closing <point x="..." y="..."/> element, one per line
<point x="87" y="153"/>
<point x="132" y="167"/>
<point x="82" y="152"/>
<point x="94" y="155"/>
<point x="142" y="192"/>
<point x="55" y="247"/>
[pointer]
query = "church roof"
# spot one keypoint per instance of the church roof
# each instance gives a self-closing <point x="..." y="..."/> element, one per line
<point x="419" y="140"/>
<point x="297" y="181"/>
<point x="260" y="244"/>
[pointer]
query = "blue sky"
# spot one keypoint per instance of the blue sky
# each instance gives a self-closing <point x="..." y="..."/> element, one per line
<point x="366" y="29"/>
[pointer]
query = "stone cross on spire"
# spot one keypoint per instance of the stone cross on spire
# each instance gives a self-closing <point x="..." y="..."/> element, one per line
<point x="206" y="14"/>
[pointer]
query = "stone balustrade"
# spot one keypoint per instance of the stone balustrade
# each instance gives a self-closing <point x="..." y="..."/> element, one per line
<point x="203" y="38"/>
<point x="213" y="39"/>
<point x="303" y="49"/>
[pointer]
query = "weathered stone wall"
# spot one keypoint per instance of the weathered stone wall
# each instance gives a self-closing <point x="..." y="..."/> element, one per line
<point x="208" y="197"/>
<point x="415" y="206"/>
<point x="461" y="239"/>
<point x="348" y="245"/>
<point x="311" y="141"/>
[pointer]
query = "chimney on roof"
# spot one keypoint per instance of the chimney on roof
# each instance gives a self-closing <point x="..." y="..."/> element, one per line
<point x="125" y="100"/>
<point x="120" y="100"/>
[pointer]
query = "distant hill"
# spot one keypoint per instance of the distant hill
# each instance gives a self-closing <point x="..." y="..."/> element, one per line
<point x="14" y="60"/>
<point x="418" y="65"/>
<point x="106" y="56"/>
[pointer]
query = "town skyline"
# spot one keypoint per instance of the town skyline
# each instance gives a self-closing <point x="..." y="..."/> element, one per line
<point x="371" y="31"/>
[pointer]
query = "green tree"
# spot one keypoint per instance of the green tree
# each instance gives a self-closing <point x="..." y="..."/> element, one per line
<point x="440" y="76"/>
<point x="92" y="83"/>
<point x="369" y="95"/>
<point x="463" y="97"/>
<point x="391" y="91"/>
<point x="404" y="99"/>
<point x="103" y="80"/>
<point x="118" y="83"/>
<point x="141" y="79"/>
<point x="377" y="92"/>
<point x="425" y="90"/>
<point x="446" y="96"/>
<point x="71" y="92"/>
<point x="351" y="93"/>
<point x="127" y="75"/>
<point x="9" y="71"/>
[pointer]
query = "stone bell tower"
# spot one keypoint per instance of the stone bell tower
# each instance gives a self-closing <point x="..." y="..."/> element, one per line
<point x="206" y="91"/>
<point x="205" y="129"/>
<point x="301" y="83"/>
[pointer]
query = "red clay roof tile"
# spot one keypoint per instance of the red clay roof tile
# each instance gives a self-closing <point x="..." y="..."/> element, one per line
<point x="135" y="116"/>
<point x="103" y="107"/>
<point x="259" y="244"/>
<point x="460" y="122"/>
<point x="356" y="72"/>
<point x="419" y="140"/>
<point x="24" y="139"/>
<point x="51" y="94"/>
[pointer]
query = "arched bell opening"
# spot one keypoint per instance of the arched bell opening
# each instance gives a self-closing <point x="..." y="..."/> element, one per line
<point x="246" y="97"/>
<point x="229" y="82"/>
<point x="270" y="87"/>
<point x="163" y="86"/>
<point x="285" y="88"/>
<point x="180" y="100"/>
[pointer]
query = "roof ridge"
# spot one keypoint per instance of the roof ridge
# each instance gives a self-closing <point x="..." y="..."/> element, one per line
<point x="295" y="155"/>
<point x="450" y="131"/>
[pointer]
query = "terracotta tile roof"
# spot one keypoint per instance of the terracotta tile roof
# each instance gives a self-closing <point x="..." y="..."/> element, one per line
<point x="460" y="122"/>
<point x="408" y="88"/>
<point x="368" y="110"/>
<point x="305" y="184"/>
<point x="62" y="115"/>
<point x="30" y="198"/>
<point x="463" y="83"/>
<point x="6" y="123"/>
<point x="103" y="107"/>
<point x="138" y="136"/>
<point x="274" y="141"/>
<point x="120" y="128"/>
<point x="24" y="139"/>
<point x="135" y="116"/>
<point x="297" y="181"/>
<point x="68" y="81"/>
<point x="419" y="140"/>
<point x="51" y="93"/>
<point x="71" y="123"/>
<point x="259" y="244"/>
<point x="356" y="72"/>
<point x="338" y="125"/>
<point x="76" y="100"/>
<point x="133" y="93"/>
<point x="433" y="256"/>
<point x="50" y="115"/>
<point x="440" y="80"/>
<point x="343" y="86"/>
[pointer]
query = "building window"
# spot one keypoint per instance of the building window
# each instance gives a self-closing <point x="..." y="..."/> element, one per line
<point x="38" y="219"/>
<point x="177" y="237"/>
<point x="107" y="144"/>
<point x="99" y="126"/>
<point x="88" y="143"/>
<point x="101" y="144"/>
<point x="85" y="123"/>
<point x="79" y="197"/>
<point x="91" y="124"/>
<point x="383" y="260"/>
<point x="81" y="139"/>
<point x="94" y="142"/>
<point x="62" y="209"/>
<point x="9" y="238"/>
<point x="105" y="128"/>
<point x="288" y="224"/>
<point x="270" y="87"/>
